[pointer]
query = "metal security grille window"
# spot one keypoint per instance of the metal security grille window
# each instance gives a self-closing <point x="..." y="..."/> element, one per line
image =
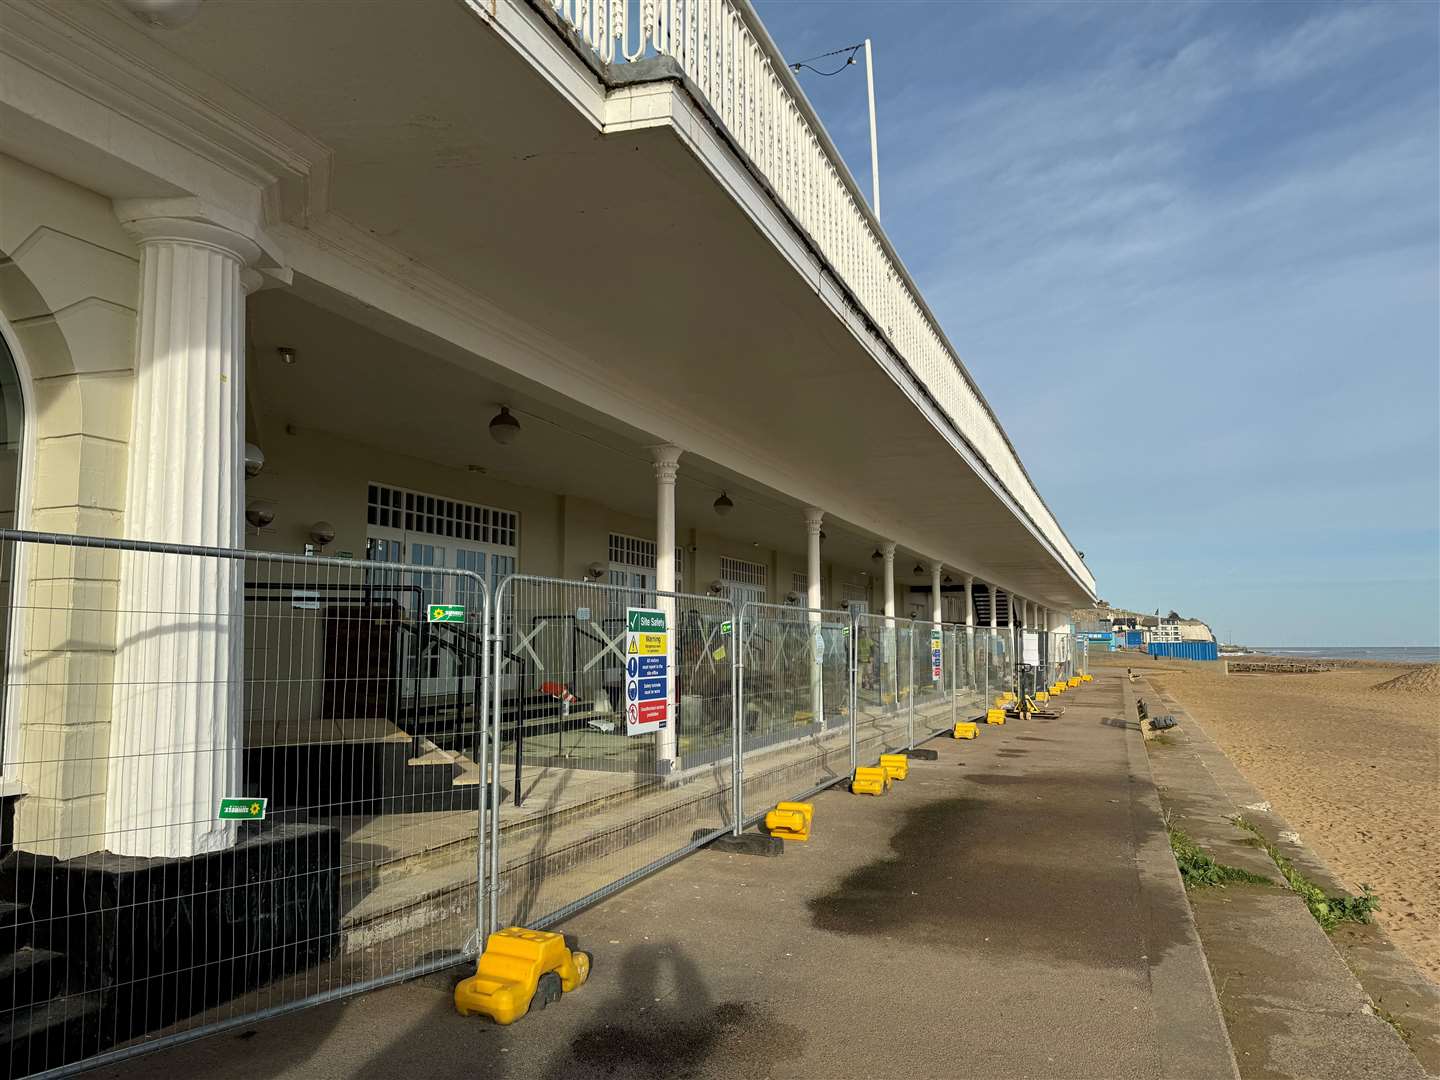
<point x="856" y="598"/>
<point x="396" y="508"/>
<point x="799" y="584"/>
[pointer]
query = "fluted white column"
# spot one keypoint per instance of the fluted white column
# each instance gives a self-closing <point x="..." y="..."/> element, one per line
<point x="889" y="683"/>
<point x="667" y="464"/>
<point x="937" y="607"/>
<point x="971" y="664"/>
<point x="814" y="518"/>
<point x="176" y="716"/>
<point x="888" y="550"/>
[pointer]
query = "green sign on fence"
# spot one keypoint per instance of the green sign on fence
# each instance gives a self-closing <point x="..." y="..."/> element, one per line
<point x="645" y="621"/>
<point x="446" y="613"/>
<point x="242" y="809"/>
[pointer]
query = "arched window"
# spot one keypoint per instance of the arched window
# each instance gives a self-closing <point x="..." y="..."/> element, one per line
<point x="12" y="442"/>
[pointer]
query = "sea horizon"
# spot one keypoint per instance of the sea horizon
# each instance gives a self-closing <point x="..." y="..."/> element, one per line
<point x="1408" y="654"/>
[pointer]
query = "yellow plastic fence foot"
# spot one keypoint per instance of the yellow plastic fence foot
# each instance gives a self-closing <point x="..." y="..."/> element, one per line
<point x="520" y="970"/>
<point x="790" y="820"/>
<point x="870" y="780"/>
<point x="897" y="765"/>
<point x="995" y="716"/>
<point x="1074" y="680"/>
<point x="1042" y="695"/>
<point x="1087" y="678"/>
<point x="967" y="729"/>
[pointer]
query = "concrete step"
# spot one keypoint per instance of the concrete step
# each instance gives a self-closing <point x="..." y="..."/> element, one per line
<point x="16" y="927"/>
<point x="29" y="975"/>
<point x="50" y="1034"/>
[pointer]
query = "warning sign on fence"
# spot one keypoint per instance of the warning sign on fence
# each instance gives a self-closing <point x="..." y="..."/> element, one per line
<point x="937" y="657"/>
<point x="647" y="671"/>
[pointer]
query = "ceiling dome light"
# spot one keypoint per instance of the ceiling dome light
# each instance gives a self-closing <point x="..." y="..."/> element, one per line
<point x="724" y="504"/>
<point x="254" y="459"/>
<point x="504" y="428"/>
<point x="919" y="570"/>
<point x="163" y="14"/>
<point x="875" y="555"/>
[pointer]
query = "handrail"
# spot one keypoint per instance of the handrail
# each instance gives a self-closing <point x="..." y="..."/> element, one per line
<point x="729" y="57"/>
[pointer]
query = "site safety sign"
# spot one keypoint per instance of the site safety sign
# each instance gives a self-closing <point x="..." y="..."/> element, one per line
<point x="937" y="656"/>
<point x="647" y="671"/>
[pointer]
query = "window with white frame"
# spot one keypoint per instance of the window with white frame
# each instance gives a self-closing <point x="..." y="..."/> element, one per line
<point x="856" y="597"/>
<point x="745" y="582"/>
<point x="632" y="562"/>
<point x="800" y="583"/>
<point x="432" y="530"/>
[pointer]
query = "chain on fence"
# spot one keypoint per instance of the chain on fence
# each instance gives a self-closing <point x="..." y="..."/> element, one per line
<point x="614" y="719"/>
<point x="231" y="762"/>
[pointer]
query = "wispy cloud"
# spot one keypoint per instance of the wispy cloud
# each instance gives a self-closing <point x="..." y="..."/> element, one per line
<point x="1192" y="252"/>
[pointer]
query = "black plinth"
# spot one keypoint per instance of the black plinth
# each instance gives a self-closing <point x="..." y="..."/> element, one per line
<point x="162" y="939"/>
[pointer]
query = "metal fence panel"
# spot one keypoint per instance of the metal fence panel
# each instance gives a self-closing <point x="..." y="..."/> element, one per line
<point x="934" y="697"/>
<point x="583" y="807"/>
<point x="235" y="764"/>
<point x="1001" y="674"/>
<point x="796" y="719"/>
<point x="883" y="711"/>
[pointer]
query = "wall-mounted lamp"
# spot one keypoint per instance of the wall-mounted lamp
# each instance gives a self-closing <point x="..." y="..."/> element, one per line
<point x="504" y="428"/>
<point x="322" y="533"/>
<point x="717" y="588"/>
<point x="792" y="597"/>
<point x="724" y="504"/>
<point x="260" y="513"/>
<point x="286" y="354"/>
<point x="594" y="572"/>
<point x="254" y="459"/>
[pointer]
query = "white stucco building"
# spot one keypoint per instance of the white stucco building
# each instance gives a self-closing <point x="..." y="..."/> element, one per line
<point x="351" y="234"/>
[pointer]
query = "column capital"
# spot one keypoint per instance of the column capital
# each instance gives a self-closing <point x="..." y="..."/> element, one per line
<point x="887" y="548"/>
<point x="937" y="567"/>
<point x="188" y="220"/>
<point x="969" y="580"/>
<point x="666" y="457"/>
<point x="814" y="518"/>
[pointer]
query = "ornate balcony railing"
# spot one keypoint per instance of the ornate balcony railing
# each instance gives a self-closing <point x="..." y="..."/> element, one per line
<point x="727" y="54"/>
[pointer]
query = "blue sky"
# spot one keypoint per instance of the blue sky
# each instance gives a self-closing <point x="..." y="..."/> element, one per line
<point x="1192" y="255"/>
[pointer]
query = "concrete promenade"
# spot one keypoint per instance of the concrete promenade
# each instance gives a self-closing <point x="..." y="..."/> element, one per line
<point x="1010" y="910"/>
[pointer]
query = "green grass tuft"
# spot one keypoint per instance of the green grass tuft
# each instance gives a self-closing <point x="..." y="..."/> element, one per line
<point x="1198" y="870"/>
<point x="1329" y="911"/>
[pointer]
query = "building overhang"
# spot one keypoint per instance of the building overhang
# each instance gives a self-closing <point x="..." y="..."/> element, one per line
<point x="464" y="178"/>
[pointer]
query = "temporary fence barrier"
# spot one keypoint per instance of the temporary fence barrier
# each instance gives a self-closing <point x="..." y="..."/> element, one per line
<point x="883" y="721"/>
<point x="796" y="732"/>
<point x="259" y="781"/>
<point x="612" y="741"/>
<point x="231" y="759"/>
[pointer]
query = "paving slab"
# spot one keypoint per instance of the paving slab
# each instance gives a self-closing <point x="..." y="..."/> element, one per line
<point x="1004" y="912"/>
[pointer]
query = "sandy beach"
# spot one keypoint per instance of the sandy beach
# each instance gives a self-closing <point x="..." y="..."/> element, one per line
<point x="1356" y="771"/>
